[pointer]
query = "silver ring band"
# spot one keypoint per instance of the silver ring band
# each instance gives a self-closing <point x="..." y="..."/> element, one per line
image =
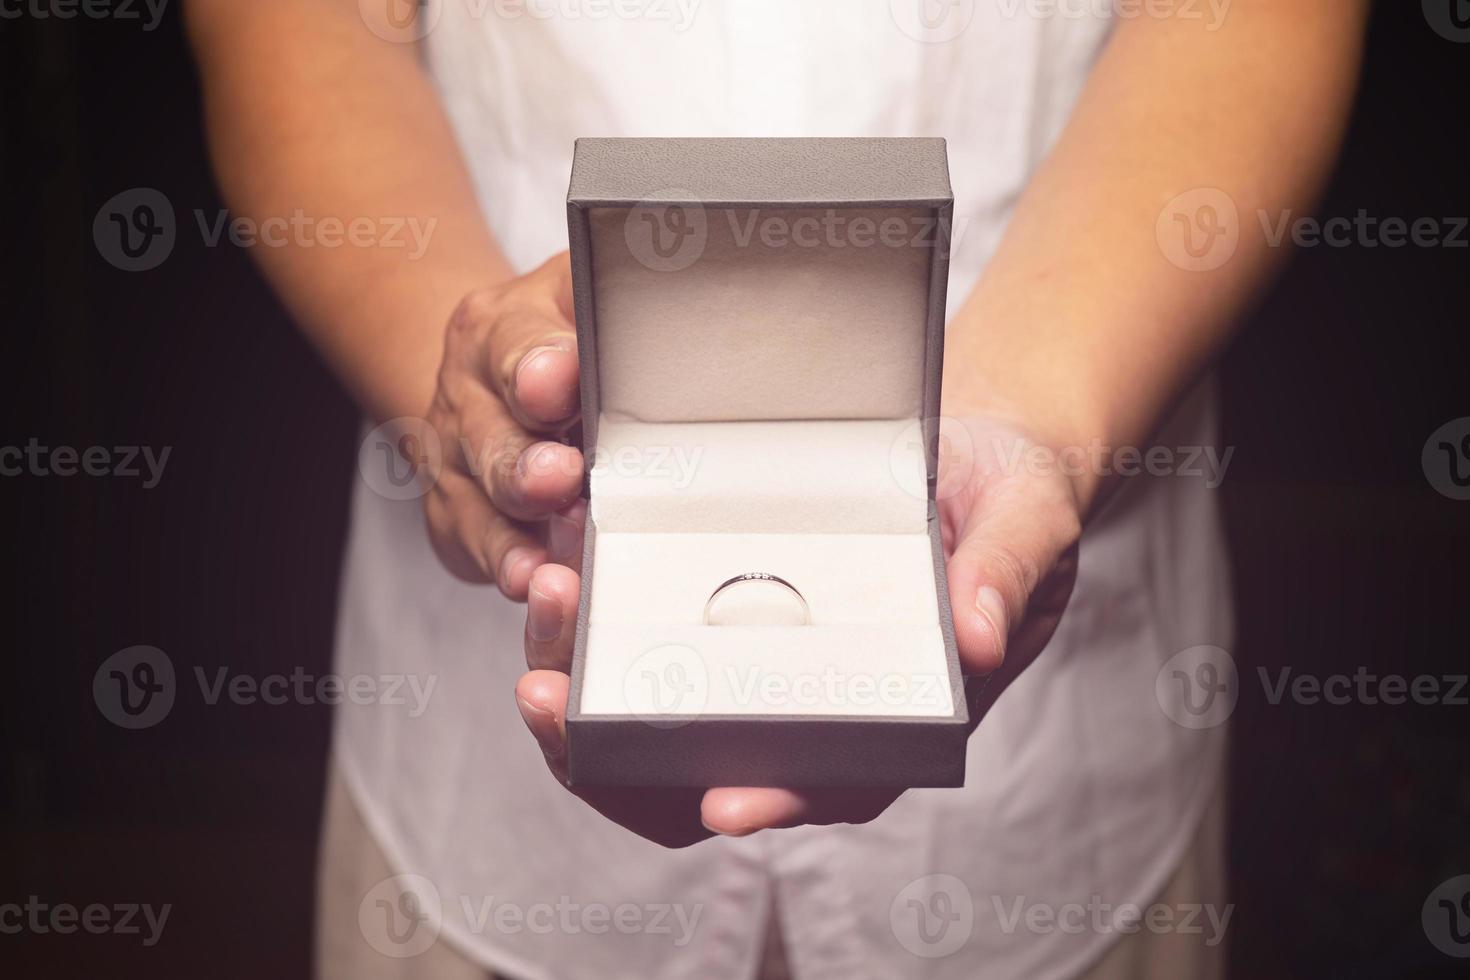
<point x="805" y="610"/>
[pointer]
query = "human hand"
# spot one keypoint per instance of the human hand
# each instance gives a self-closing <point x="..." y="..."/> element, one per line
<point x="507" y="386"/>
<point x="1010" y="536"/>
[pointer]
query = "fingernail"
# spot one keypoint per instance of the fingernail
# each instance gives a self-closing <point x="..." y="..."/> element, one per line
<point x="539" y="459"/>
<point x="543" y="619"/>
<point x="542" y="724"/>
<point x="510" y="566"/>
<point x="740" y="831"/>
<point x="532" y="356"/>
<point x="988" y="600"/>
<point x="739" y="826"/>
<point x="563" y="539"/>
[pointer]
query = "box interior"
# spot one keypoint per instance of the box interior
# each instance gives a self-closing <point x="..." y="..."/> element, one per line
<point x="759" y="412"/>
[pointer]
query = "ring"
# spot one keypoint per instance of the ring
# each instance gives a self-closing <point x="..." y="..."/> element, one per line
<point x="756" y="599"/>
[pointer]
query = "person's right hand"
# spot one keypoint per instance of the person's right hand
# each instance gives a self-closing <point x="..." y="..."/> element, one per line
<point x="507" y="387"/>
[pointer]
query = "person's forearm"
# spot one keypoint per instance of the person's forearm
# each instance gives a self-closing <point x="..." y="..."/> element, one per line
<point x="309" y="112"/>
<point x="1081" y="327"/>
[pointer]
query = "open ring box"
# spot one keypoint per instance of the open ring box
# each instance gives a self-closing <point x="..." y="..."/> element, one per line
<point x="761" y="332"/>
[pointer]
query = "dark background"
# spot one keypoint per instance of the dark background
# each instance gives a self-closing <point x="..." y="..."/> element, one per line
<point x="1343" y="818"/>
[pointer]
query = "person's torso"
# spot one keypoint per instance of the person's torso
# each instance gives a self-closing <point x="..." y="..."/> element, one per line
<point x="1078" y="785"/>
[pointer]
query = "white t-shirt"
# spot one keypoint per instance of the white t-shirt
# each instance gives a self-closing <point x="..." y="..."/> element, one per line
<point x="1079" y="787"/>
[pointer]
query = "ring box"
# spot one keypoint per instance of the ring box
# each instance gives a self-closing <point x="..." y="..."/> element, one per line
<point x="761" y="325"/>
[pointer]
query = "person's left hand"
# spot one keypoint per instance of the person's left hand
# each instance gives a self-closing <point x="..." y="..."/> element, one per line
<point x="1010" y="535"/>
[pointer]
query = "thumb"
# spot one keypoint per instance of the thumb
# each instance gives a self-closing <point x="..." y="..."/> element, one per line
<point x="1011" y="573"/>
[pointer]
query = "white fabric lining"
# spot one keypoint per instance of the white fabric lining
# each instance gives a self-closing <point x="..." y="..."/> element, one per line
<point x="846" y="579"/>
<point x="836" y="508"/>
<point x="802" y="477"/>
<point x="864" y="671"/>
<point x="754" y="326"/>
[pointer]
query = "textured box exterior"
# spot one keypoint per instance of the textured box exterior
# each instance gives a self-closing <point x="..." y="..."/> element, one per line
<point x="764" y="749"/>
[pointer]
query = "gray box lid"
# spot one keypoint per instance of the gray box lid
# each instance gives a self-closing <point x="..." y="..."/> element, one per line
<point x="758" y="172"/>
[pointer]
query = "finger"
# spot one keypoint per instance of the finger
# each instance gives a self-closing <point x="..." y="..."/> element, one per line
<point x="740" y="811"/>
<point x="1015" y="538"/>
<point x="665" y="816"/>
<point x="543" y="387"/>
<point x="476" y="542"/>
<point x="531" y="361"/>
<point x="541" y="696"/>
<point x="525" y="477"/>
<point x="551" y="618"/>
<point x="564" y="535"/>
